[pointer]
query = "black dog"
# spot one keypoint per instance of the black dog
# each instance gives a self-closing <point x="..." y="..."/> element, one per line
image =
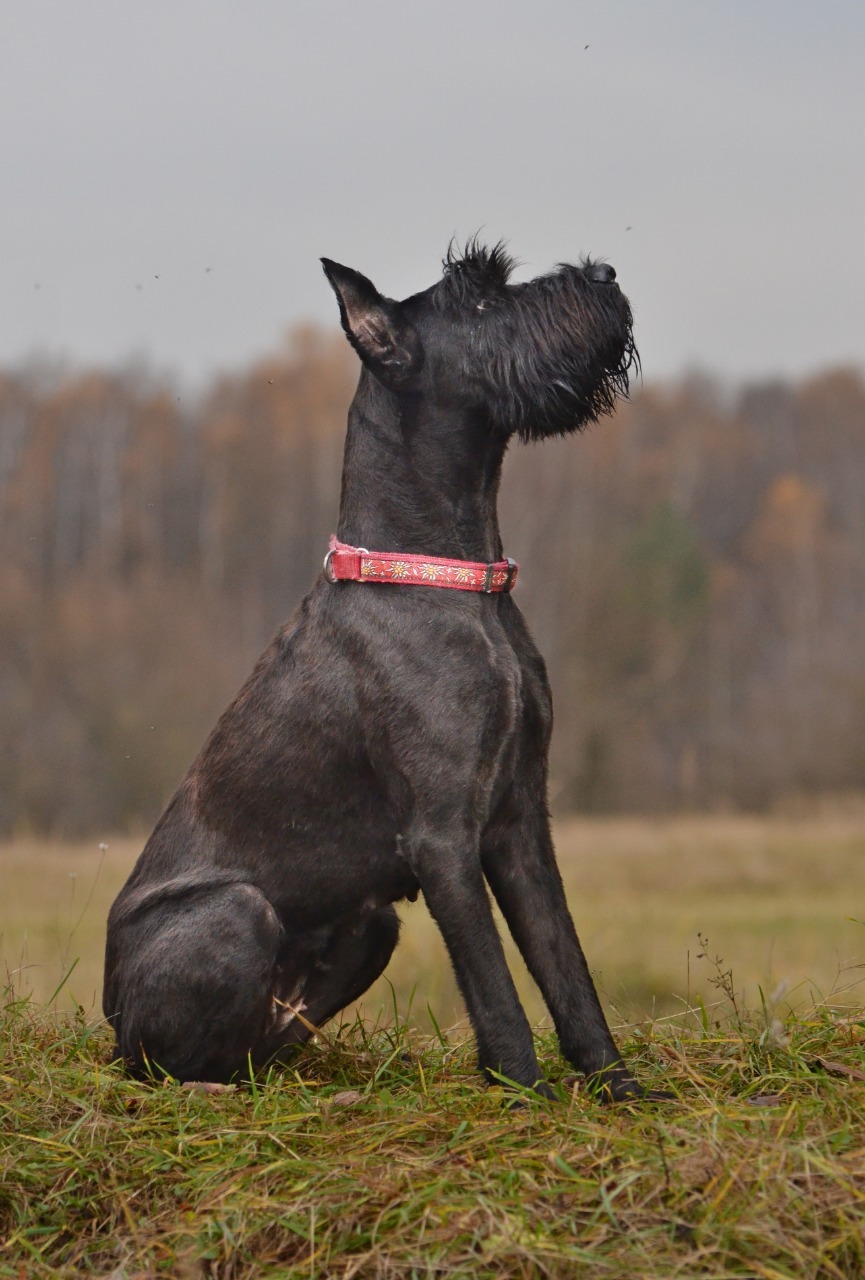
<point x="393" y="738"/>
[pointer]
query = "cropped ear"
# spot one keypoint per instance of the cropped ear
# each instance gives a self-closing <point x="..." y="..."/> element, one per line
<point x="387" y="343"/>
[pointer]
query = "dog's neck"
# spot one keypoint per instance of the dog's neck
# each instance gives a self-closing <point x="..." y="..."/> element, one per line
<point x="419" y="480"/>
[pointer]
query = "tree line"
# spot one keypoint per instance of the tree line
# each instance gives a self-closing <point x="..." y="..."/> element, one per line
<point x="693" y="570"/>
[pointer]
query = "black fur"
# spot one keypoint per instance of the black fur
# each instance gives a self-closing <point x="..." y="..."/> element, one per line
<point x="392" y="739"/>
<point x="557" y="351"/>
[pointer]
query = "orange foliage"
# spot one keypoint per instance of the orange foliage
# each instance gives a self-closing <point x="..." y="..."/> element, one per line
<point x="694" y="570"/>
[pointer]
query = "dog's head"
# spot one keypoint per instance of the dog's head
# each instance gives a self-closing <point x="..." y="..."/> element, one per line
<point x="538" y="359"/>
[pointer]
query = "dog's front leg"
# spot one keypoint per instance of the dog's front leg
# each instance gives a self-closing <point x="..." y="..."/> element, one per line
<point x="448" y="867"/>
<point x="520" y="865"/>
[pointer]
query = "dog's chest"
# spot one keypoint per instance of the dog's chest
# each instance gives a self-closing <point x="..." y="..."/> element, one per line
<point x="518" y="707"/>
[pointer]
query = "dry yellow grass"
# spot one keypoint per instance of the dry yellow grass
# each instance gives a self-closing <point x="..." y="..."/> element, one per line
<point x="773" y="896"/>
<point x="380" y="1156"/>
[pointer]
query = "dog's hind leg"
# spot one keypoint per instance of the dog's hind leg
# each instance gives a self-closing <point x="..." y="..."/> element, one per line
<point x="190" y="973"/>
<point x="356" y="954"/>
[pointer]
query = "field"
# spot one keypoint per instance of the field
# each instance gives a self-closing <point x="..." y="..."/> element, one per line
<point x="774" y="898"/>
<point x="380" y="1155"/>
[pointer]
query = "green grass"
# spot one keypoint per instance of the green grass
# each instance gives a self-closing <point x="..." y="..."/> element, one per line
<point x="381" y="1155"/>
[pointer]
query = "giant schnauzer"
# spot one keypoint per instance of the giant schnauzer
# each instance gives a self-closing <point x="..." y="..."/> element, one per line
<point x="393" y="738"/>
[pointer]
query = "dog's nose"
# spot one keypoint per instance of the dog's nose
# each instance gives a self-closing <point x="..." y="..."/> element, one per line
<point x="601" y="273"/>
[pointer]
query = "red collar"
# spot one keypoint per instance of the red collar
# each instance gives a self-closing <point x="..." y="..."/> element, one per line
<point x="355" y="564"/>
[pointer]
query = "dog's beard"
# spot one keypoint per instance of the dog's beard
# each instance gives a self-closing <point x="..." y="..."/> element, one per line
<point x="569" y="358"/>
<point x="553" y="354"/>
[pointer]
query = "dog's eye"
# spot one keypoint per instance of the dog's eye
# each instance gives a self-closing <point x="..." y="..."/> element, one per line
<point x="482" y="306"/>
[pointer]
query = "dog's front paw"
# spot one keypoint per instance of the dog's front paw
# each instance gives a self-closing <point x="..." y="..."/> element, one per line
<point x="616" y="1084"/>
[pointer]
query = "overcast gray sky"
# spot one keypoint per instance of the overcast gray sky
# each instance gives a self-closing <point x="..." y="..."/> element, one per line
<point x="172" y="169"/>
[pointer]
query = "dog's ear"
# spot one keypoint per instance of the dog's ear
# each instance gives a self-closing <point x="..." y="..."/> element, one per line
<point x="385" y="341"/>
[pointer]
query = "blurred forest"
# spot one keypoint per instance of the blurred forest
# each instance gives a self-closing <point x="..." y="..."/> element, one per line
<point x="693" y="570"/>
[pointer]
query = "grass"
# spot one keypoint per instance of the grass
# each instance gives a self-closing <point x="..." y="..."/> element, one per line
<point x="382" y="1156"/>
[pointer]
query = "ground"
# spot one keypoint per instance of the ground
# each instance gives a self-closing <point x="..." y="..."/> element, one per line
<point x="380" y="1154"/>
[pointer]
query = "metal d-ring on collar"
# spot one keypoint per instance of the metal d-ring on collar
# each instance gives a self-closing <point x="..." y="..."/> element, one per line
<point x="328" y="568"/>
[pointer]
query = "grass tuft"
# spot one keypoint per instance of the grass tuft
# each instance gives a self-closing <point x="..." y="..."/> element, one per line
<point x="382" y="1155"/>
